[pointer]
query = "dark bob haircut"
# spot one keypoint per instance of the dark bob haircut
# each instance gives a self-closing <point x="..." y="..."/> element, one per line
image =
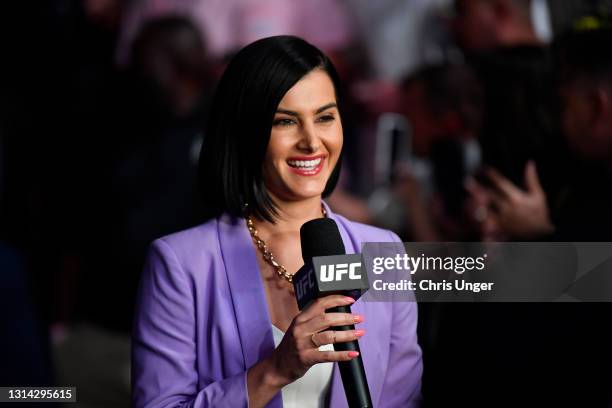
<point x="240" y="123"/>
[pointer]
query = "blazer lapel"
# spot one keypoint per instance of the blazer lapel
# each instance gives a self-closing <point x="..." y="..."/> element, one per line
<point x="247" y="292"/>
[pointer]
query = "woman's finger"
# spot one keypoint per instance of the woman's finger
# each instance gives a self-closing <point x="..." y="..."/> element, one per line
<point x="315" y="356"/>
<point x="334" y="356"/>
<point x="320" y="305"/>
<point x="333" y="337"/>
<point x="327" y="320"/>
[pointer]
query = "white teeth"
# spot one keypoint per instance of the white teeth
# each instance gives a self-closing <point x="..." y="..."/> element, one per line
<point x="305" y="163"/>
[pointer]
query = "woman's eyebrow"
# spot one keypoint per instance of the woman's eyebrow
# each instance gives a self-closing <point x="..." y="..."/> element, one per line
<point x="319" y="110"/>
<point x="326" y="107"/>
<point x="286" y="112"/>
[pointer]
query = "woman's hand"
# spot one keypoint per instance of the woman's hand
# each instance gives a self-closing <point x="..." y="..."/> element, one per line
<point x="298" y="351"/>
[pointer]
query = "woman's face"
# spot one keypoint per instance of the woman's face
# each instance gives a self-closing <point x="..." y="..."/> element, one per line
<point x="305" y="141"/>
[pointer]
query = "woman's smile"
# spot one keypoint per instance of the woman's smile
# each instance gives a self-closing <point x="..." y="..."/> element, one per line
<point x="307" y="166"/>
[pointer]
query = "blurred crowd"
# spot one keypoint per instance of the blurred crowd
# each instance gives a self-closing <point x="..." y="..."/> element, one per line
<point x="464" y="120"/>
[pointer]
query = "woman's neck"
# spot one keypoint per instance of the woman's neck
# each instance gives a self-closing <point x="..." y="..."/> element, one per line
<point x="291" y="216"/>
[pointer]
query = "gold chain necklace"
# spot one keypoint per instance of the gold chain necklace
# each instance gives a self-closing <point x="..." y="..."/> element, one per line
<point x="267" y="254"/>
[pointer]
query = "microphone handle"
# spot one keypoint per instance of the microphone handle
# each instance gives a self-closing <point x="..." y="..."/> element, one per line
<point x="352" y="372"/>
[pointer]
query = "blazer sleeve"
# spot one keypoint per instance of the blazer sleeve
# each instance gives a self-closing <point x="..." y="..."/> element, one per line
<point x="164" y="372"/>
<point x="402" y="386"/>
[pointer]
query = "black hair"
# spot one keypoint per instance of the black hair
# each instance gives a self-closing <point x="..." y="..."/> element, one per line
<point x="238" y="131"/>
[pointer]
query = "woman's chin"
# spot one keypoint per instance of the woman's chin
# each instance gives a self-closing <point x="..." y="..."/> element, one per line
<point x="310" y="191"/>
<point x="297" y="194"/>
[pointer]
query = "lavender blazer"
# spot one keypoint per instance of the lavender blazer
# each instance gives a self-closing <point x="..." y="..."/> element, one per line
<point x="202" y="320"/>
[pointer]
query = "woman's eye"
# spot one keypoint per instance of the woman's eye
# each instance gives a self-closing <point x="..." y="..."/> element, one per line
<point x="326" y="118"/>
<point x="283" y="122"/>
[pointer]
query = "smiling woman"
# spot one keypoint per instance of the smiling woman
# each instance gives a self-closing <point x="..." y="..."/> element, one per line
<point x="217" y="322"/>
<point x="305" y="141"/>
<point x="276" y="91"/>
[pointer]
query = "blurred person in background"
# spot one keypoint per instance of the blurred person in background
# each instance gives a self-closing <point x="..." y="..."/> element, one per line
<point x="149" y="126"/>
<point x="139" y="182"/>
<point x="527" y="345"/>
<point x="171" y="67"/>
<point x="443" y="104"/>
<point x="584" y="84"/>
<point x="400" y="37"/>
<point x="229" y="25"/>
<point x="584" y="78"/>
<point x="444" y="107"/>
<point x="51" y="47"/>
<point x="483" y="25"/>
<point x="500" y="41"/>
<point x="585" y="88"/>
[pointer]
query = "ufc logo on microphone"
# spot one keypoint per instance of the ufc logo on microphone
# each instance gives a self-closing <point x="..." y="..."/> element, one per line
<point x="304" y="285"/>
<point x="330" y="273"/>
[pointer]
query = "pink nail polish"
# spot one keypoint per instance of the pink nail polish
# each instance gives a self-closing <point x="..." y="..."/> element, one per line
<point x="359" y="333"/>
<point x="349" y="299"/>
<point x="358" y="318"/>
<point x="353" y="354"/>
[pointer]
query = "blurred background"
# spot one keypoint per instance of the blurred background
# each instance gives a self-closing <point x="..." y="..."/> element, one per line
<point x="465" y="120"/>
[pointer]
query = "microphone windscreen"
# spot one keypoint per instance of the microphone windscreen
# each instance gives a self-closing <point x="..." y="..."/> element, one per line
<point x="321" y="237"/>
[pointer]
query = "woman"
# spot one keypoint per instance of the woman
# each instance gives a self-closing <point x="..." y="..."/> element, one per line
<point x="217" y="324"/>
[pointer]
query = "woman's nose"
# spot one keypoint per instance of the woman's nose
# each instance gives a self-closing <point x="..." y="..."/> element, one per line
<point x="309" y="141"/>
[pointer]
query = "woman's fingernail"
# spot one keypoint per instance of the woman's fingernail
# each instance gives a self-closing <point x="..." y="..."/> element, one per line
<point x="359" y="333"/>
<point x="353" y="354"/>
<point x="349" y="299"/>
<point x="358" y="318"/>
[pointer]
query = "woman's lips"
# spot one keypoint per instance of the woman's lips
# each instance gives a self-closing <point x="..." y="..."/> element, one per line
<point x="306" y="166"/>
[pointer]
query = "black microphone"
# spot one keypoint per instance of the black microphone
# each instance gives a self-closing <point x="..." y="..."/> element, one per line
<point x="329" y="270"/>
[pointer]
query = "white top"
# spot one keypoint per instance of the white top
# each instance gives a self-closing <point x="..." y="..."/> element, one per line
<point x="310" y="390"/>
